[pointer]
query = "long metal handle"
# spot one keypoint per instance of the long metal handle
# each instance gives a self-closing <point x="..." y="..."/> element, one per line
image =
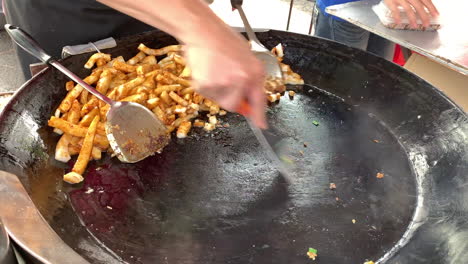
<point x="79" y="81"/>
<point x="256" y="45"/>
<point x="26" y="42"/>
<point x="270" y="152"/>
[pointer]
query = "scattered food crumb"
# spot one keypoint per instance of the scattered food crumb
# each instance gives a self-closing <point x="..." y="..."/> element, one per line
<point x="419" y="117"/>
<point x="312" y="253"/>
<point x="286" y="159"/>
<point x="108" y="207"/>
<point x="354" y="221"/>
<point x="291" y="93"/>
<point x="226" y="125"/>
<point x="376" y="141"/>
<point x="369" y="262"/>
<point x="89" y="191"/>
<point x="305" y="144"/>
<point x="380" y="175"/>
<point x="99" y="168"/>
<point x="302" y="152"/>
<point x="332" y="186"/>
<point x="337" y="199"/>
<point x="315" y="123"/>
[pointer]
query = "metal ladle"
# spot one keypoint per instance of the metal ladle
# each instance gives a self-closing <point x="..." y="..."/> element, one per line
<point x="133" y="131"/>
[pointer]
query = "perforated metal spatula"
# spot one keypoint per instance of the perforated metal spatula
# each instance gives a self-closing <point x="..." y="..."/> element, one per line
<point x="133" y="131"/>
<point x="272" y="67"/>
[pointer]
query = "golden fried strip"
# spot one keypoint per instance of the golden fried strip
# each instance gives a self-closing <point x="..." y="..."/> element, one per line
<point x="179" y="60"/>
<point x="150" y="60"/>
<point x="89" y="106"/>
<point x="179" y="120"/>
<point x="165" y="98"/>
<point x="92" y="60"/>
<point x="123" y="89"/>
<point x="67" y="127"/>
<point x="184" y="129"/>
<point x="69" y="85"/>
<point x="111" y="63"/>
<point x="153" y="73"/>
<point x="159" y="114"/>
<point x="178" y="99"/>
<point x="186" y="72"/>
<point x="74" y="93"/>
<point x="186" y="91"/>
<point x="152" y="103"/>
<point x="85" y="153"/>
<point x="198" y="123"/>
<point x="159" y="52"/>
<point x="101" y="62"/>
<point x="177" y="79"/>
<point x="122" y="66"/>
<point x="142" y="89"/>
<point x="61" y="149"/>
<point x="88" y="118"/>
<point x="167" y="88"/>
<point x="137" y="58"/>
<point x="105" y="81"/>
<point x="141" y="70"/>
<point x="74" y="113"/>
<point x="136" y="98"/>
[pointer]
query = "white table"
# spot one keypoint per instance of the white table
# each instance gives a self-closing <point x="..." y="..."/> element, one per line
<point x="448" y="45"/>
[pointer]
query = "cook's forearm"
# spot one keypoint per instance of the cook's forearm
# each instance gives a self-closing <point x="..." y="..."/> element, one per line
<point x="184" y="19"/>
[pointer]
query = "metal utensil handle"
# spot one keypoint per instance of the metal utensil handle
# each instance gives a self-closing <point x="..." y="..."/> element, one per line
<point x="270" y="152"/>
<point x="249" y="30"/>
<point x="26" y="42"/>
<point x="79" y="81"/>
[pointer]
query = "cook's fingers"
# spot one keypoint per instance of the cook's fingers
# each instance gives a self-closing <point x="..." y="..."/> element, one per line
<point x="231" y="99"/>
<point x="432" y="9"/>
<point x="258" y="102"/>
<point x="410" y="13"/>
<point x="393" y="6"/>
<point x="421" y="12"/>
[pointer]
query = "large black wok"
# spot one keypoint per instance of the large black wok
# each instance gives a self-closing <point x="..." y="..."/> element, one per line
<point x="215" y="198"/>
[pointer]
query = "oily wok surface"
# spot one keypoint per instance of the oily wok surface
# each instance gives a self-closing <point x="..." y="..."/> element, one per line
<point x="216" y="198"/>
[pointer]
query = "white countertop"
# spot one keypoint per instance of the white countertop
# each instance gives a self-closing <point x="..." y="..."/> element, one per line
<point x="448" y="45"/>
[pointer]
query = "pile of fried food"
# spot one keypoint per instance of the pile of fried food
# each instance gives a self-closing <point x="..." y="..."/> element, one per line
<point x="162" y="86"/>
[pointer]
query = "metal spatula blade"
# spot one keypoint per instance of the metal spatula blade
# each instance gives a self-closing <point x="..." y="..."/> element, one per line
<point x="133" y="131"/>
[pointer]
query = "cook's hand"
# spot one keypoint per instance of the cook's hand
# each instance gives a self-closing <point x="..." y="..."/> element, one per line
<point x="413" y="15"/>
<point x="223" y="67"/>
<point x="225" y="70"/>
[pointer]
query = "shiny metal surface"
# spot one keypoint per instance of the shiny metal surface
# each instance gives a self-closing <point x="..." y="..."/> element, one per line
<point x="270" y="62"/>
<point x="27" y="227"/>
<point x="6" y="252"/>
<point x="448" y="45"/>
<point x="270" y="152"/>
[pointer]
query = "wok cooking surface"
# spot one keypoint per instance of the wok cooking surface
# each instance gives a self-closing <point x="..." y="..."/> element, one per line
<point x="216" y="198"/>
